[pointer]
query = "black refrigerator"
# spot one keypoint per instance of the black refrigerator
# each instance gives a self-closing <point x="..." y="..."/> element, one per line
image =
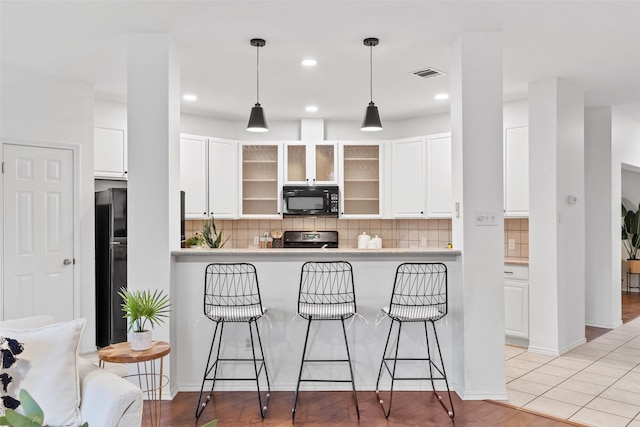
<point x="111" y="265"/>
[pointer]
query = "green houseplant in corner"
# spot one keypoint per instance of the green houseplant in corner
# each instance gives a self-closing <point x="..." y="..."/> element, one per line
<point x="142" y="308"/>
<point x="631" y="237"/>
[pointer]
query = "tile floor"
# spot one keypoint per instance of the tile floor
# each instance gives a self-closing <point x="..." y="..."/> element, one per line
<point x="597" y="384"/>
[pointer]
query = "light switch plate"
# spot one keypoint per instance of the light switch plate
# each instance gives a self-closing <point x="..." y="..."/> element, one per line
<point x="486" y="218"/>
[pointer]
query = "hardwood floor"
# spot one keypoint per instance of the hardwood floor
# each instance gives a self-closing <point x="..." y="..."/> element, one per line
<point x="336" y="409"/>
<point x="630" y="306"/>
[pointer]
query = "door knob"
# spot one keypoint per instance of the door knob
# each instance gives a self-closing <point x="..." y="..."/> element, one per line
<point x="67" y="261"/>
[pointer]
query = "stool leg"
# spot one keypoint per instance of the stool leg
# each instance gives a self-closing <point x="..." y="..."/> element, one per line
<point x="383" y="365"/>
<point x="353" y="384"/>
<point x="443" y="372"/>
<point x="263" y="409"/>
<point x="207" y="370"/>
<point x="304" y="352"/>
<point x="392" y="372"/>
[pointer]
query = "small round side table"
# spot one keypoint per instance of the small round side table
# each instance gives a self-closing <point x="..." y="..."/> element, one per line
<point x="149" y="380"/>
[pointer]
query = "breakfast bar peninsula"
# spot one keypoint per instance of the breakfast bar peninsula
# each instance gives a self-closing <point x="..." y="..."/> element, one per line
<point x="283" y="332"/>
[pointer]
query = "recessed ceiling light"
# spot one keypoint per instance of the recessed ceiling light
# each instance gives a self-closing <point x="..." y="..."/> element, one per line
<point x="311" y="108"/>
<point x="309" y="62"/>
<point x="442" y="96"/>
<point x="189" y="97"/>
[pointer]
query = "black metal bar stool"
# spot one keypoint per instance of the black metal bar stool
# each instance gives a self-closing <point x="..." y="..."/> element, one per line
<point x="231" y="294"/>
<point x="326" y="293"/>
<point x="419" y="295"/>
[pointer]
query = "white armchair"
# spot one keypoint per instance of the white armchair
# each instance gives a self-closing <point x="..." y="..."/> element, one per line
<point x="106" y="400"/>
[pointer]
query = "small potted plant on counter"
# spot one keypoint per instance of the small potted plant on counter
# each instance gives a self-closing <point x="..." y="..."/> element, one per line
<point x="140" y="308"/>
<point x="194" y="242"/>
<point x="210" y="235"/>
<point x="631" y="237"/>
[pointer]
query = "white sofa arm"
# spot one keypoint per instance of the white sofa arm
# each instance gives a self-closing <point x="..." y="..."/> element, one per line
<point x="108" y="400"/>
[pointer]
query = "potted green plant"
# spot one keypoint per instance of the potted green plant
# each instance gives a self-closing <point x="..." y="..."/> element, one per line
<point x="143" y="308"/>
<point x="631" y="237"/>
<point x="210" y="235"/>
<point x="194" y="241"/>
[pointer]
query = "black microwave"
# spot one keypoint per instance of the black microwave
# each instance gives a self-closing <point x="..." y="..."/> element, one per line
<point x="313" y="200"/>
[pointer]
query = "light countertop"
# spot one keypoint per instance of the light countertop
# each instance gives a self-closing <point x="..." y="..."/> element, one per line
<point x="323" y="253"/>
<point x="516" y="261"/>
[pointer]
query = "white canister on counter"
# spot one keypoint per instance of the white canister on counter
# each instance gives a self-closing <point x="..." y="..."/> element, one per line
<point x="377" y="241"/>
<point x="363" y="240"/>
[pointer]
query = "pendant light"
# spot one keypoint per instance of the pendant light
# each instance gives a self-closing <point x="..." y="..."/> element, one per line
<point x="371" y="120"/>
<point x="257" y="122"/>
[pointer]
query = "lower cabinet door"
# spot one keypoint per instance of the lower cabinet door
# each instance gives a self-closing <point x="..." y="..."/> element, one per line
<point x="516" y="309"/>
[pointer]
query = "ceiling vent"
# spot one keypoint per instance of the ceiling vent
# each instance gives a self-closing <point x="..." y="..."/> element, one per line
<point x="428" y="73"/>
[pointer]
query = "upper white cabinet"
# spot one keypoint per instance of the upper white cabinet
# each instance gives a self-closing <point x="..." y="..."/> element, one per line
<point x="310" y="163"/>
<point x="209" y="177"/>
<point x="439" y="185"/>
<point x="193" y="176"/>
<point x="360" y="178"/>
<point x="109" y="153"/>
<point x="516" y="172"/>
<point x="408" y="178"/>
<point x="261" y="172"/>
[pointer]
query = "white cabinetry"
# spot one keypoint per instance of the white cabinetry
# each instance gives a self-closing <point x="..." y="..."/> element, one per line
<point x="408" y="177"/>
<point x="439" y="186"/>
<point x="209" y="177"/>
<point x="516" y="301"/>
<point x="109" y="153"/>
<point x="360" y="177"/>
<point x="261" y="172"/>
<point x="310" y="163"/>
<point x="516" y="172"/>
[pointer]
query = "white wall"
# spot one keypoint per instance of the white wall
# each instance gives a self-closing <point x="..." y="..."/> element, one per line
<point x="41" y="109"/>
<point x="630" y="185"/>
<point x="115" y="114"/>
<point x="625" y="138"/>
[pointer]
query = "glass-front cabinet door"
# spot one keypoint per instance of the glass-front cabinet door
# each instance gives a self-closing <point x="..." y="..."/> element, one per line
<point x="261" y="179"/>
<point x="361" y="179"/>
<point x="310" y="163"/>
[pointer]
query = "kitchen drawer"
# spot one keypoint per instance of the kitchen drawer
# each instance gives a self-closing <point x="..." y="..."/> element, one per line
<point x="516" y="272"/>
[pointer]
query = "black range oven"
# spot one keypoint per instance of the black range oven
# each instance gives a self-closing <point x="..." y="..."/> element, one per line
<point x="310" y="239"/>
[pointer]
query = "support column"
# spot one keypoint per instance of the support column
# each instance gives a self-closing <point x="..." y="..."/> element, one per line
<point x="478" y="228"/>
<point x="556" y="217"/>
<point x="602" y="212"/>
<point x="153" y="195"/>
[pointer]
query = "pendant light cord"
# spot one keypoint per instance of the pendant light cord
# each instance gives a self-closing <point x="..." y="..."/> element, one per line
<point x="371" y="72"/>
<point x="258" y="74"/>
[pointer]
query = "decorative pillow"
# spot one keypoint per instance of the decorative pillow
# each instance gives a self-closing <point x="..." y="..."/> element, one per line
<point x="28" y="322"/>
<point x="9" y="351"/>
<point x="48" y="369"/>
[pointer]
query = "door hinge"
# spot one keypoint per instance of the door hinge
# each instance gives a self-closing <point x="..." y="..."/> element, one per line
<point x="2" y="167"/>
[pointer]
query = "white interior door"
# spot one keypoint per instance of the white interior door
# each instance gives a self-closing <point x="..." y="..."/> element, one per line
<point x="38" y="232"/>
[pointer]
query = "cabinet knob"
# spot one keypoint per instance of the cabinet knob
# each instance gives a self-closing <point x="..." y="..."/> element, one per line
<point x="204" y="213"/>
<point x="421" y="213"/>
